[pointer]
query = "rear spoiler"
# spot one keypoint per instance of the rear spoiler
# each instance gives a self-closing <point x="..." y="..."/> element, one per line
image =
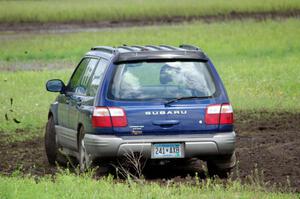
<point x="180" y="55"/>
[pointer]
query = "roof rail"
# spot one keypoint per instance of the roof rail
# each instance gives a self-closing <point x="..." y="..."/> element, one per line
<point x="137" y="48"/>
<point x="127" y="48"/>
<point x="106" y="49"/>
<point x="189" y="47"/>
<point x="153" y="47"/>
<point x="140" y="47"/>
<point x="169" y="47"/>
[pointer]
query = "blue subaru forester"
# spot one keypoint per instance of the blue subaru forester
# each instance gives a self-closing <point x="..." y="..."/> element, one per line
<point x="164" y="102"/>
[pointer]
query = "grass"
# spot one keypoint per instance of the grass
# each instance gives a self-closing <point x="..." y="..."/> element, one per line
<point x="70" y="11"/>
<point x="68" y="185"/>
<point x="258" y="62"/>
<point x="249" y="41"/>
<point x="30" y="102"/>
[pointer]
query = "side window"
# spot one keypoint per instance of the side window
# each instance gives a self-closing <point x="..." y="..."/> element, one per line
<point x="88" y="72"/>
<point x="80" y="79"/>
<point x="97" y="77"/>
<point x="75" y="79"/>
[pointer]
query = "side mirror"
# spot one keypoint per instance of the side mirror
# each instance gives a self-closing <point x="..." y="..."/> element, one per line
<point x="55" y="85"/>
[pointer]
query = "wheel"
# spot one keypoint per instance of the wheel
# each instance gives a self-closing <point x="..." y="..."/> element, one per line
<point x="221" y="166"/>
<point x="213" y="171"/>
<point x="51" y="147"/>
<point x="84" y="158"/>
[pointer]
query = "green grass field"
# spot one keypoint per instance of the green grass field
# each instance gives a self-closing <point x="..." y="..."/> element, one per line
<point x="258" y="62"/>
<point x="70" y="11"/>
<point x="30" y="102"/>
<point x="231" y="41"/>
<point x="71" y="186"/>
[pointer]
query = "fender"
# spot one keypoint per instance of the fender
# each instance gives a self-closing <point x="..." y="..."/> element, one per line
<point x="53" y="109"/>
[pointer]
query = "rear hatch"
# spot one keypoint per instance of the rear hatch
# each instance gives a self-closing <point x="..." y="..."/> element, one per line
<point x="162" y="120"/>
<point x="145" y="91"/>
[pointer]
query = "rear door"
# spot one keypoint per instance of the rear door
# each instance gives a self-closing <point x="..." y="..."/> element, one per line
<point x="143" y="89"/>
<point x="87" y="100"/>
<point x="161" y="120"/>
<point x="79" y="92"/>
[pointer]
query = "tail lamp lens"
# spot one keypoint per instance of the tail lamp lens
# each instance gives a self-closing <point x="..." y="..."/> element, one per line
<point x="118" y="117"/>
<point x="226" y="114"/>
<point x="109" y="117"/>
<point x="219" y="114"/>
<point x="212" y="115"/>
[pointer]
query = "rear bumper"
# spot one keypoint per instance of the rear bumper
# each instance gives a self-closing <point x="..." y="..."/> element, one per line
<point x="109" y="146"/>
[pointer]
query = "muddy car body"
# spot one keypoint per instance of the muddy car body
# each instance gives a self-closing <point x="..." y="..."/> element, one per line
<point x="164" y="102"/>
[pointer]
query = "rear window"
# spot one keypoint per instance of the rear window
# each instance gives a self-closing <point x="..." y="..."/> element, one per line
<point x="161" y="80"/>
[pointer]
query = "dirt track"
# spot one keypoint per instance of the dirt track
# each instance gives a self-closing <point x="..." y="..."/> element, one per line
<point x="91" y="26"/>
<point x="267" y="141"/>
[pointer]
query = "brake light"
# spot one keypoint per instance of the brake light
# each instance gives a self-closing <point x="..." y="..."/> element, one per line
<point x="226" y="114"/>
<point x="219" y="114"/>
<point x="118" y="117"/>
<point x="212" y="115"/>
<point x="109" y="117"/>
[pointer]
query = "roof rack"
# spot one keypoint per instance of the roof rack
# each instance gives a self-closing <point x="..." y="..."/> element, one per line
<point x="127" y="48"/>
<point x="189" y="47"/>
<point x="107" y="49"/>
<point x="140" y="47"/>
<point x="137" y="48"/>
<point x="153" y="47"/>
<point x="169" y="47"/>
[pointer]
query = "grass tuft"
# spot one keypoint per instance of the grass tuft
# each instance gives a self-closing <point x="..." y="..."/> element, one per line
<point x="69" y="185"/>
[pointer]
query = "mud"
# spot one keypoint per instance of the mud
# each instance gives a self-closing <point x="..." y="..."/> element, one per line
<point x="266" y="142"/>
<point x="76" y="26"/>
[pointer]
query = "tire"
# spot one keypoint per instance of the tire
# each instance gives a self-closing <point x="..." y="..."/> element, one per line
<point x="222" y="166"/>
<point x="50" y="141"/>
<point x="84" y="158"/>
<point x="52" y="150"/>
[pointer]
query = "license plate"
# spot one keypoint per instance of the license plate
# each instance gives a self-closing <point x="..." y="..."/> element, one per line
<point x="167" y="150"/>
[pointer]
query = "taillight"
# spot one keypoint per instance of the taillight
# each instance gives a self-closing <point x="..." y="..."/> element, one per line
<point x="118" y="117"/>
<point x="212" y="115"/>
<point x="109" y="117"/>
<point x="219" y="114"/>
<point x="226" y="114"/>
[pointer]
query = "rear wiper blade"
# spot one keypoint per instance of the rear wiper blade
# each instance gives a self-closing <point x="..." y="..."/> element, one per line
<point x="185" y="98"/>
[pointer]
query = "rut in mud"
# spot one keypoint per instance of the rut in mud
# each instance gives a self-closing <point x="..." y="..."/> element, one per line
<point x="268" y="142"/>
<point x="79" y="26"/>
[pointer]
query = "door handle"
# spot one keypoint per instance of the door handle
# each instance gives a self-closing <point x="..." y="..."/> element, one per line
<point x="165" y="122"/>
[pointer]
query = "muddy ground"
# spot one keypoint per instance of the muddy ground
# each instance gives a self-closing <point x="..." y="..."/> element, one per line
<point x="75" y="26"/>
<point x="268" y="142"/>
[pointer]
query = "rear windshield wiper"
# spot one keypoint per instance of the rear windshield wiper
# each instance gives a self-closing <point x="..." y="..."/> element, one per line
<point x="185" y="98"/>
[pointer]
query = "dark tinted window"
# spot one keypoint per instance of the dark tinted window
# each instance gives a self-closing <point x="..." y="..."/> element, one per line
<point x="80" y="80"/>
<point x="140" y="81"/>
<point x="75" y="79"/>
<point x="97" y="77"/>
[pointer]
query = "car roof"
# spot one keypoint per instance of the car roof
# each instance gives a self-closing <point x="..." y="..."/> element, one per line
<point x="148" y="52"/>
